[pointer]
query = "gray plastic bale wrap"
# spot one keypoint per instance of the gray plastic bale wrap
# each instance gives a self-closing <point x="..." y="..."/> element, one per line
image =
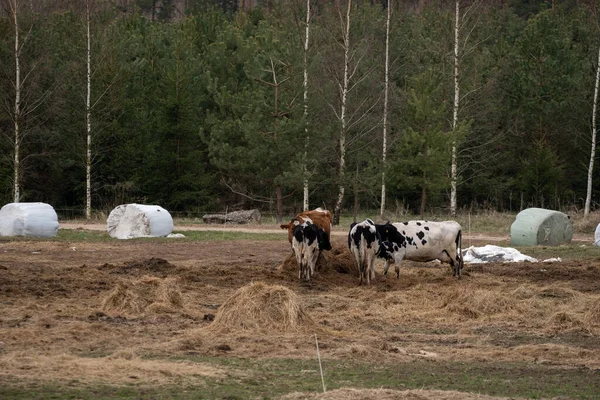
<point x="28" y="219"/>
<point x="538" y="226"/>
<point x="129" y="221"/>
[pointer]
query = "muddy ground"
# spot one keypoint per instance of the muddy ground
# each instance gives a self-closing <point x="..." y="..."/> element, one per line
<point x="56" y="323"/>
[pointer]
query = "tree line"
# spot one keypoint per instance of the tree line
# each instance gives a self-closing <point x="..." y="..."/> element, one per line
<point x="206" y="105"/>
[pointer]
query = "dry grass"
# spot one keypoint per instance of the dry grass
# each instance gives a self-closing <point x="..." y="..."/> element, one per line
<point x="145" y="295"/>
<point x="52" y="328"/>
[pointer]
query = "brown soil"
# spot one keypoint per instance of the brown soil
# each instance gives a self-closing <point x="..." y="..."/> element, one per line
<point x="89" y="311"/>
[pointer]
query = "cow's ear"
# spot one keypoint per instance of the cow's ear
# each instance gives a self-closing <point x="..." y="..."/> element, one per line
<point x="286" y="226"/>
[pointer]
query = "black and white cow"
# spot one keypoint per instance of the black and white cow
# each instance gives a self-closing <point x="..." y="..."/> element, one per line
<point x="364" y="242"/>
<point x="421" y="241"/>
<point x="306" y="248"/>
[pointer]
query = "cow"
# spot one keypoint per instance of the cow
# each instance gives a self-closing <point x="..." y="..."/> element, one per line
<point x="308" y="234"/>
<point x="319" y="217"/>
<point x="421" y="241"/>
<point x="305" y="246"/>
<point x="364" y="244"/>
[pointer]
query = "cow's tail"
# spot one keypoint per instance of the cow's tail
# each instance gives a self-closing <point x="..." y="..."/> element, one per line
<point x="459" y="255"/>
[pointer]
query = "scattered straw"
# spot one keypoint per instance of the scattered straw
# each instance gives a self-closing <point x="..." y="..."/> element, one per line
<point x="145" y="295"/>
<point x="476" y="303"/>
<point x="591" y="317"/>
<point x="337" y="260"/>
<point x="118" y="369"/>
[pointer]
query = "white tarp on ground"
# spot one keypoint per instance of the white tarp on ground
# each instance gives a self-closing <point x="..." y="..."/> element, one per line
<point x="491" y="253"/>
<point x="129" y="221"/>
<point x="28" y="219"/>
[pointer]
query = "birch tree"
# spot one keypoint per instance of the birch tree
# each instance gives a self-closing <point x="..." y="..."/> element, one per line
<point x="588" y="197"/>
<point x="458" y="53"/>
<point x="88" y="117"/>
<point x="17" y="111"/>
<point x="385" y="105"/>
<point x="342" y="115"/>
<point x="103" y="84"/>
<point x="453" y="176"/>
<point x="305" y="203"/>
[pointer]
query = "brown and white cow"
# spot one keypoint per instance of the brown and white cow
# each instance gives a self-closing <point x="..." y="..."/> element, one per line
<point x="421" y="241"/>
<point x="308" y="234"/>
<point x="319" y="217"/>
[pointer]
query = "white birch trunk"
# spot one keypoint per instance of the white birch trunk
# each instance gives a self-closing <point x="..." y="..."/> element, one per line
<point x="385" y="106"/>
<point x="17" y="110"/>
<point x="88" y="113"/>
<point x="588" y="197"/>
<point x="342" y="169"/>
<point x="453" y="177"/>
<point x="307" y="136"/>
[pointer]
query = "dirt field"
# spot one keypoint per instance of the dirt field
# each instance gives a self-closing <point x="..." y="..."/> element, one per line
<point x="130" y="312"/>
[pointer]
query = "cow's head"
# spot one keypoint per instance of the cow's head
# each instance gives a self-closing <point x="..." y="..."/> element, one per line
<point x="389" y="232"/>
<point x="352" y="225"/>
<point x="386" y="250"/>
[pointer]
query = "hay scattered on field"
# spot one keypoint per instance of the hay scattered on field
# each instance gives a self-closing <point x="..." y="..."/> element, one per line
<point x="263" y="308"/>
<point x="145" y="295"/>
<point x="557" y="292"/>
<point x="591" y="317"/>
<point x="337" y="260"/>
<point x="112" y="370"/>
<point x="476" y="303"/>
<point x="564" y="321"/>
<point x="388" y="394"/>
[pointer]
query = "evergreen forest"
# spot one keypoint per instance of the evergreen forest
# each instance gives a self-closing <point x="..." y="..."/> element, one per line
<point x="202" y="105"/>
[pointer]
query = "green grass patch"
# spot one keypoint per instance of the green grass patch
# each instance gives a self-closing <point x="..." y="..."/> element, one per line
<point x="75" y="235"/>
<point x="267" y="379"/>
<point x="565" y="252"/>
<point x="229" y="235"/>
<point x="64" y="235"/>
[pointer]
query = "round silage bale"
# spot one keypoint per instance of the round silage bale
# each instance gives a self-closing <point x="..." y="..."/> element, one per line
<point x="538" y="226"/>
<point x="28" y="219"/>
<point x="129" y="221"/>
<point x="597" y="236"/>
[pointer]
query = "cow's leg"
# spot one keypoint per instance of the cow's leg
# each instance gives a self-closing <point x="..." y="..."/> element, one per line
<point x="398" y="257"/>
<point x="364" y="272"/>
<point x="313" y="260"/>
<point x="454" y="262"/>
<point x="387" y="266"/>
<point x="372" y="266"/>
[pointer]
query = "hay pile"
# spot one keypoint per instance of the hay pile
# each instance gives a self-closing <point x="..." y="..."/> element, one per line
<point x="142" y="296"/>
<point x="260" y="307"/>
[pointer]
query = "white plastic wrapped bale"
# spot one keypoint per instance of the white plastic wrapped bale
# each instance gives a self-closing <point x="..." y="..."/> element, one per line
<point x="129" y="221"/>
<point x="28" y="219"/>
